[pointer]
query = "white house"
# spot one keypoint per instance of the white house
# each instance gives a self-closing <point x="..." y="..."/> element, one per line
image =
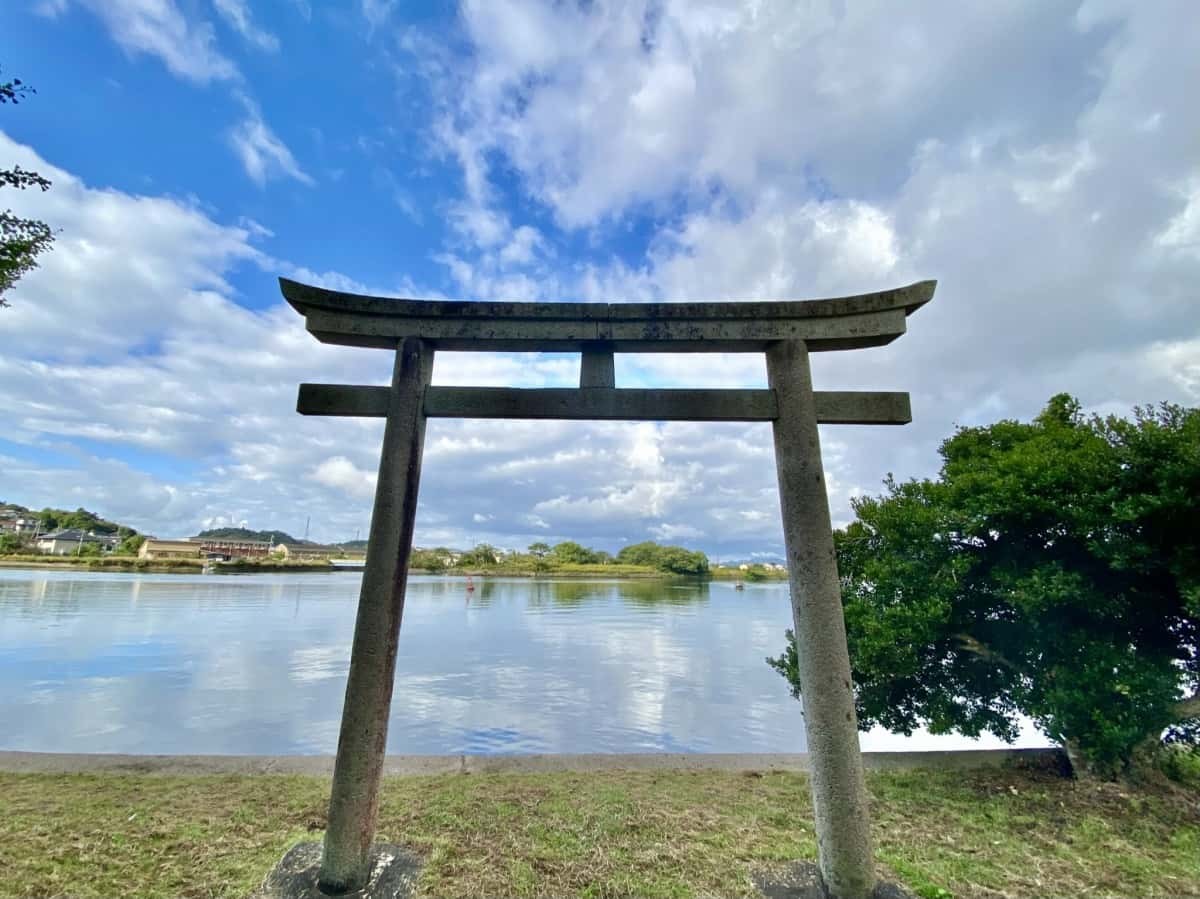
<point x="64" y="543"/>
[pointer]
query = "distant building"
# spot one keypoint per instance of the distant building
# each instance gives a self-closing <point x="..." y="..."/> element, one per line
<point x="169" y="549"/>
<point x="72" y="540"/>
<point x="15" y="522"/>
<point x="307" y="552"/>
<point x="229" y="548"/>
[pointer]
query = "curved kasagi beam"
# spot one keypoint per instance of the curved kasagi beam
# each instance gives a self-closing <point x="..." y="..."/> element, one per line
<point x="844" y="323"/>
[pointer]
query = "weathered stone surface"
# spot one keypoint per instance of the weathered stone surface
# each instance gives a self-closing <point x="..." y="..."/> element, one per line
<point x="597" y="367"/>
<point x="845" y="323"/>
<point x="354" y="797"/>
<point x="802" y="880"/>
<point x="838" y="787"/>
<point x="394" y="872"/>
<point x="601" y="403"/>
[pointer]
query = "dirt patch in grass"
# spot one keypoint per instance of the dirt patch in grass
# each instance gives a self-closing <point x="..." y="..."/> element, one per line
<point x="671" y="834"/>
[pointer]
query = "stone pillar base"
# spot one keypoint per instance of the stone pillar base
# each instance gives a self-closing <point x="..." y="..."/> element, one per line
<point x="802" y="880"/>
<point x="394" y="872"/>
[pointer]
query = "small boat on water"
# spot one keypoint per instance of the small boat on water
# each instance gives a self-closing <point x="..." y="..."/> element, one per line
<point x="739" y="586"/>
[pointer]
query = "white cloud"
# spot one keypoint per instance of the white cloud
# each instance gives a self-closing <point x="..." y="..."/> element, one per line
<point x="160" y="28"/>
<point x="604" y="106"/>
<point x="89" y="291"/>
<point x="262" y="154"/>
<point x="377" y="12"/>
<point x="201" y="392"/>
<point x="340" y="473"/>
<point x="237" y="15"/>
<point x="1037" y="160"/>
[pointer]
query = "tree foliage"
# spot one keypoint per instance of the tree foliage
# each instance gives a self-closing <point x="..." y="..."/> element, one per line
<point x="270" y="536"/>
<point x="672" y="559"/>
<point x="131" y="544"/>
<point x="571" y="553"/>
<point x="22" y="240"/>
<point x="428" y="560"/>
<point x="1052" y="570"/>
<point x="483" y="555"/>
<point x="81" y="519"/>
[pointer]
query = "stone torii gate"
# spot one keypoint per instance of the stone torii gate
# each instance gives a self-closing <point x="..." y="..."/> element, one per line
<point x="785" y="331"/>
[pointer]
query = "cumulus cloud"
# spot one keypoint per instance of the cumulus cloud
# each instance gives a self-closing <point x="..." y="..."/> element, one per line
<point x="1039" y="160"/>
<point x="149" y="412"/>
<point x="340" y="473"/>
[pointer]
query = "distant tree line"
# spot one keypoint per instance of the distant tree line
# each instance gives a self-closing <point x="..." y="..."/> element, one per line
<point x="249" y="535"/>
<point x="539" y="558"/>
<point x="542" y="557"/>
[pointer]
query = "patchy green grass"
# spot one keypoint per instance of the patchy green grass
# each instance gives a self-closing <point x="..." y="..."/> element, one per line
<point x="944" y="834"/>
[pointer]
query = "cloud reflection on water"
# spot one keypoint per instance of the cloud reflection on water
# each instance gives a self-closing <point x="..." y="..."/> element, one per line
<point x="257" y="664"/>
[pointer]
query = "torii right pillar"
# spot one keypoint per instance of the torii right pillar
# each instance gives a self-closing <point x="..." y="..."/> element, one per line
<point x="843" y="824"/>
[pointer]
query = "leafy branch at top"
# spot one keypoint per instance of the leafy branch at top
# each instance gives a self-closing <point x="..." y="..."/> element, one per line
<point x="22" y="240"/>
<point x="13" y="91"/>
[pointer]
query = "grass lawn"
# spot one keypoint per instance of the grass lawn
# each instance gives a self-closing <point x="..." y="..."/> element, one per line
<point x="942" y="834"/>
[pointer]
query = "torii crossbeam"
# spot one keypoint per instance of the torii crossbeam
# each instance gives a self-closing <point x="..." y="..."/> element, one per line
<point x="786" y="332"/>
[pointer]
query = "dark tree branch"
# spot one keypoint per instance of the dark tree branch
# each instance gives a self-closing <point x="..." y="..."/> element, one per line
<point x="20" y="178"/>
<point x="978" y="648"/>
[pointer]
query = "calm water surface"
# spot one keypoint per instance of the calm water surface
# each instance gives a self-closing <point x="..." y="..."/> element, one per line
<point x="257" y="664"/>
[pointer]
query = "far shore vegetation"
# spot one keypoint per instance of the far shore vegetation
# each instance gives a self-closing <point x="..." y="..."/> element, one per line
<point x="980" y="834"/>
<point x="564" y="559"/>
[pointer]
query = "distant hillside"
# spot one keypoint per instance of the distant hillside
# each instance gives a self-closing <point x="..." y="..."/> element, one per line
<point x="247" y="534"/>
<point x="352" y="544"/>
<point x="61" y="519"/>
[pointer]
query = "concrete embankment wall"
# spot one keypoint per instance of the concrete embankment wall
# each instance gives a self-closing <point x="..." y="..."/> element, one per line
<point x="322" y="765"/>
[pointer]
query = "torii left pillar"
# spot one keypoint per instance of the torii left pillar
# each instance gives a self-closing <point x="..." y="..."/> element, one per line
<point x="354" y="799"/>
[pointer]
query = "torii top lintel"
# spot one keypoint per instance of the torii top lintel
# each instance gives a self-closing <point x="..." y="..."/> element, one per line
<point x="844" y="323"/>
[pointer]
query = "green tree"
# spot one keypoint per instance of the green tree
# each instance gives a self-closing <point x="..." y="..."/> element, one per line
<point x="646" y="553"/>
<point x="539" y="551"/>
<point x="11" y="543"/>
<point x="131" y="544"/>
<point x="21" y="240"/>
<point x="571" y="553"/>
<point x="428" y="560"/>
<point x="1052" y="570"/>
<point x="483" y="555"/>
<point x="672" y="559"/>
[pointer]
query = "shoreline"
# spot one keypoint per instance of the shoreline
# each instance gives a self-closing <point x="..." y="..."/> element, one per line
<point x="18" y="762"/>
<point x="166" y="567"/>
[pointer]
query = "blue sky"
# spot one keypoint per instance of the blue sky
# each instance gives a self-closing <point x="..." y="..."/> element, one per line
<point x="1041" y="160"/>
